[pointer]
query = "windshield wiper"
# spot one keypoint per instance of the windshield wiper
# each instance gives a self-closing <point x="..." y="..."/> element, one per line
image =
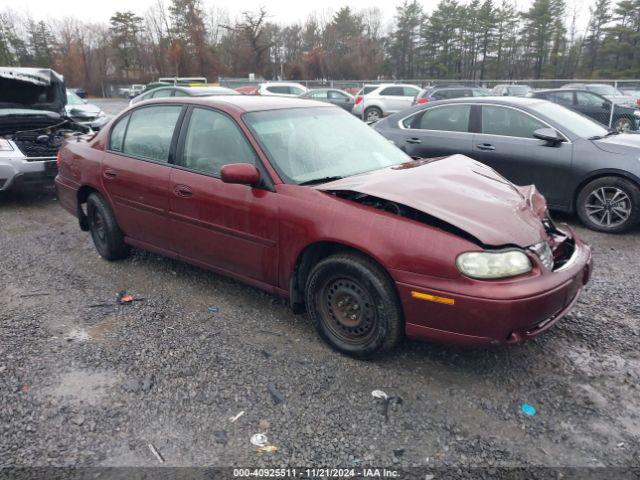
<point x="320" y="180"/>
<point x="608" y="134"/>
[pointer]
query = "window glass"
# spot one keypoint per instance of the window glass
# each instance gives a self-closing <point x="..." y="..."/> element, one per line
<point x="117" y="134"/>
<point x="214" y="140"/>
<point x="180" y="93"/>
<point x="452" y="93"/>
<point x="321" y="95"/>
<point x="480" y="93"/>
<point x="508" y="122"/>
<point x="165" y="92"/>
<point x="335" y="95"/>
<point x="367" y="90"/>
<point x="278" y="89"/>
<point x="393" y="91"/>
<point x="296" y="90"/>
<point x="150" y="132"/>
<point x="410" y="92"/>
<point x="585" y="99"/>
<point x="563" y="98"/>
<point x="453" y="118"/>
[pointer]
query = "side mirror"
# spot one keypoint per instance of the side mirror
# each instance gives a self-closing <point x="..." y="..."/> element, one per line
<point x="548" y="135"/>
<point x="240" y="173"/>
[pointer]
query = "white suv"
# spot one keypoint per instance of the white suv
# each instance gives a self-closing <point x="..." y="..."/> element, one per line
<point x="281" y="89"/>
<point x="376" y="101"/>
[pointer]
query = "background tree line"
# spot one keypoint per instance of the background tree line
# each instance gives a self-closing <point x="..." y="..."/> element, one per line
<point x="471" y="40"/>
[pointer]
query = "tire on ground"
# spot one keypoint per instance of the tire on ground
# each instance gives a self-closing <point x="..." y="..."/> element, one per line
<point x="371" y="110"/>
<point x="354" y="269"/>
<point x="609" y="183"/>
<point x="107" y="236"/>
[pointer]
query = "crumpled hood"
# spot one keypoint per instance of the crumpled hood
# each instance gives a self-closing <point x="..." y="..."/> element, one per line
<point x="462" y="192"/>
<point x="623" y="143"/>
<point x="32" y="88"/>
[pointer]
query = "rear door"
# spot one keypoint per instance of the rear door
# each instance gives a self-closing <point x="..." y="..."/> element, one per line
<point x="228" y="227"/>
<point x="340" y="99"/>
<point x="594" y="106"/>
<point x="438" y="131"/>
<point x="135" y="172"/>
<point x="506" y="143"/>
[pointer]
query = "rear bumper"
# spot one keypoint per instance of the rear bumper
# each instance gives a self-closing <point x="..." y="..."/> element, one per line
<point x="67" y="193"/>
<point x="500" y="318"/>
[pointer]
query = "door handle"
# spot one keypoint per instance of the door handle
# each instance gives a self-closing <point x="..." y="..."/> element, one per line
<point x="485" y="147"/>
<point x="414" y="141"/>
<point x="109" y="174"/>
<point x="182" y="191"/>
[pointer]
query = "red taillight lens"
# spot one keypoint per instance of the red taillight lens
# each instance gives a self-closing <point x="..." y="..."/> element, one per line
<point x="422" y="100"/>
<point x="638" y="102"/>
<point x="358" y="99"/>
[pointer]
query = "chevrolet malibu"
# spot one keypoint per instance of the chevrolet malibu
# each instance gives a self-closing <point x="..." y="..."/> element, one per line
<point x="303" y="200"/>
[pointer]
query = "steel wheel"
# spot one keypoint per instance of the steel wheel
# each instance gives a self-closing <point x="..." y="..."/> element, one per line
<point x="608" y="207"/>
<point x="347" y="310"/>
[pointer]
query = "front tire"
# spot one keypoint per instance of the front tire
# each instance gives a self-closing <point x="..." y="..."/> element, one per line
<point x="609" y="204"/>
<point x="353" y="305"/>
<point x="107" y="236"/>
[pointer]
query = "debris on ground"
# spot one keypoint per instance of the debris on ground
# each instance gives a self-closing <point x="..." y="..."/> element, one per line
<point x="267" y="449"/>
<point x="212" y="309"/>
<point x="275" y="394"/>
<point x="124" y="298"/>
<point x="387" y="401"/>
<point x="36" y="294"/>
<point x="265" y="354"/>
<point x="236" y="417"/>
<point x="259" y="440"/>
<point x="221" y="436"/>
<point x="528" y="410"/>
<point x="264" y="424"/>
<point x="399" y="452"/>
<point x="156" y="453"/>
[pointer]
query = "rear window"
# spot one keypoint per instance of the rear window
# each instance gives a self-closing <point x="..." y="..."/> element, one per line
<point x="150" y="132"/>
<point x="279" y="89"/>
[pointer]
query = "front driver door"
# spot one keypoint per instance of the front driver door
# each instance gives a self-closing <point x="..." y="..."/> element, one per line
<point x="506" y="143"/>
<point x="438" y="131"/>
<point x="231" y="228"/>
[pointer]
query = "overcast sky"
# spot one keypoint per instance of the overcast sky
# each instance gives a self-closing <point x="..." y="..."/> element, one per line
<point x="281" y="11"/>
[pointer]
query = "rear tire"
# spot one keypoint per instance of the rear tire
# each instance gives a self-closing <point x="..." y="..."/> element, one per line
<point x="609" y="204"/>
<point x="372" y="114"/>
<point x="353" y="305"/>
<point x="107" y="236"/>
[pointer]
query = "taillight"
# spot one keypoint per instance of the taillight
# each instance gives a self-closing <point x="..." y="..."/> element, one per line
<point x="358" y="99"/>
<point x="638" y="102"/>
<point x="422" y="100"/>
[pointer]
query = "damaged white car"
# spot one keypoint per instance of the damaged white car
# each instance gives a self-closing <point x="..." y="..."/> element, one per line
<point x="33" y="126"/>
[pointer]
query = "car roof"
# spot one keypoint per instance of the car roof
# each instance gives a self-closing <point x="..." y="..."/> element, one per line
<point x="507" y="101"/>
<point x="242" y="103"/>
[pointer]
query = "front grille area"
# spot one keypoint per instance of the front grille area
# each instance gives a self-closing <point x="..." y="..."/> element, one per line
<point x="560" y="245"/>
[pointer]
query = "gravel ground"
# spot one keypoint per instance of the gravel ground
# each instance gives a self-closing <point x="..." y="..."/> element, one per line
<point x="85" y="381"/>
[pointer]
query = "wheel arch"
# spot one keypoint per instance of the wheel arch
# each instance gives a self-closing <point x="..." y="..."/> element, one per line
<point x="82" y="196"/>
<point x="600" y="174"/>
<point x="313" y="253"/>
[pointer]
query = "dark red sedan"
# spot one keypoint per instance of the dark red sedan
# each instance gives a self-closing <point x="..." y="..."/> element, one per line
<point x="303" y="200"/>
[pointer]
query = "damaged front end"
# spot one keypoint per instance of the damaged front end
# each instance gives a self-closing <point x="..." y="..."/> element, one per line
<point x="33" y="126"/>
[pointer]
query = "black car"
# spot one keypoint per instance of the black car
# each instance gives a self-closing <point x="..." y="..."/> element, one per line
<point x="432" y="94"/>
<point x="331" y="95"/>
<point x="595" y="106"/>
<point x="579" y="165"/>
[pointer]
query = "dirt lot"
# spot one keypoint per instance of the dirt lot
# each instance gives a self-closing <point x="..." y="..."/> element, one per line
<point x="84" y="381"/>
<point x="88" y="382"/>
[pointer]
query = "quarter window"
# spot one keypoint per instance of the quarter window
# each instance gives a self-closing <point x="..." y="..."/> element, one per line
<point x="508" y="122"/>
<point x="117" y="134"/>
<point x="453" y="118"/>
<point x="150" y="132"/>
<point x="214" y="140"/>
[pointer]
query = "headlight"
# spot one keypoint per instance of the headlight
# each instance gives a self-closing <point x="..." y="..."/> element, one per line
<point x="489" y="265"/>
<point x="5" y="146"/>
<point x="636" y="113"/>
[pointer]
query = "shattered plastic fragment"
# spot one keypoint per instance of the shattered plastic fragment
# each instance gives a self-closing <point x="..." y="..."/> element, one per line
<point x="379" y="394"/>
<point x="259" y="440"/>
<point x="528" y="409"/>
<point x="267" y="449"/>
<point x="212" y="309"/>
<point x="156" y="453"/>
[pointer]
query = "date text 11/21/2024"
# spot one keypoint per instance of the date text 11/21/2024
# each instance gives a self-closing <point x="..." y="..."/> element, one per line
<point x="315" y="473"/>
